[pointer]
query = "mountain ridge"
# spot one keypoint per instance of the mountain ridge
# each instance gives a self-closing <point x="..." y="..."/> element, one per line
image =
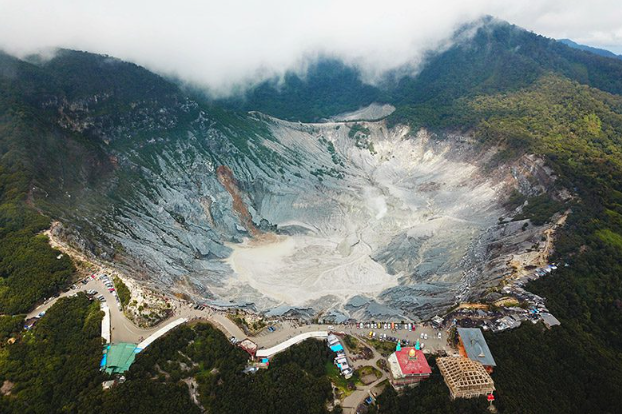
<point x="591" y="49"/>
<point x="152" y="174"/>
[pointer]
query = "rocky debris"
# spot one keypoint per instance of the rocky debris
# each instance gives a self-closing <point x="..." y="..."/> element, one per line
<point x="226" y="178"/>
<point x="405" y="225"/>
<point x="371" y="112"/>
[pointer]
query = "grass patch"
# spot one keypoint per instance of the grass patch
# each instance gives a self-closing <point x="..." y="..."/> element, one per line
<point x="356" y="128"/>
<point x="610" y="237"/>
<point x="382" y="364"/>
<point x="351" y="342"/>
<point x="384" y="348"/>
<point x="345" y="386"/>
<point x="122" y="291"/>
<point x="366" y="370"/>
<point x="539" y="209"/>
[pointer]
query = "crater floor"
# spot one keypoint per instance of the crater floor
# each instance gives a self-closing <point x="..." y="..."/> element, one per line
<point x="396" y="225"/>
<point x="351" y="219"/>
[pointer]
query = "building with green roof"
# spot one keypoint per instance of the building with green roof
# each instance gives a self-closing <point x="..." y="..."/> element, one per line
<point x="118" y="357"/>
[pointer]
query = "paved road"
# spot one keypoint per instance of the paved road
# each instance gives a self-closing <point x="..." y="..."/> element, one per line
<point x="288" y="329"/>
<point x="124" y="330"/>
<point x="352" y="401"/>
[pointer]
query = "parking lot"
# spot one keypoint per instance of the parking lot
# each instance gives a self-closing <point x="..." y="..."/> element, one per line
<point x="431" y="341"/>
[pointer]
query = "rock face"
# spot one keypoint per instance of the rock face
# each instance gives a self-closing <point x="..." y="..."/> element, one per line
<point x="350" y="219"/>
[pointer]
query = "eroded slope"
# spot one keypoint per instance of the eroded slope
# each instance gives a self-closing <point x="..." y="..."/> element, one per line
<point x="350" y="218"/>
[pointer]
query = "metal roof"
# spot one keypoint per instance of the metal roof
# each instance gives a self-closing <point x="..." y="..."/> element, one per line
<point x="118" y="357"/>
<point x="475" y="346"/>
<point x="549" y="320"/>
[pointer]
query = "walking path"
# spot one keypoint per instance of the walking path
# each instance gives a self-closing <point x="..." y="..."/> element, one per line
<point x="352" y="401"/>
<point x="286" y="334"/>
<point x="264" y="353"/>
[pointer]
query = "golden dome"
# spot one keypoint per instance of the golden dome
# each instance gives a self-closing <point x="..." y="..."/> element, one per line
<point x="412" y="353"/>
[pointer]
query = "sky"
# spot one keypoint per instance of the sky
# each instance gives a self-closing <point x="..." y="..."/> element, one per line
<point x="226" y="45"/>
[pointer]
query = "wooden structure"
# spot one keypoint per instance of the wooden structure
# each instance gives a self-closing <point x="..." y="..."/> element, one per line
<point x="465" y="378"/>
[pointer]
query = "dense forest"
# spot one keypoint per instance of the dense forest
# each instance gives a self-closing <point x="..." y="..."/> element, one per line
<point x="328" y="87"/>
<point x="29" y="267"/>
<point x="54" y="368"/>
<point x="497" y="57"/>
<point x="295" y="383"/>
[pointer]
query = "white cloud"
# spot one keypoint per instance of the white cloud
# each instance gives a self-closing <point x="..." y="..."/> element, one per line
<point x="220" y="44"/>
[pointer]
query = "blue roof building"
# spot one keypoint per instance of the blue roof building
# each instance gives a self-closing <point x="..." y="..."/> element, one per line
<point x="474" y="345"/>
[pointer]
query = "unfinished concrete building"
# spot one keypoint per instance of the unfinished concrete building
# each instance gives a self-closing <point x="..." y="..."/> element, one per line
<point x="465" y="378"/>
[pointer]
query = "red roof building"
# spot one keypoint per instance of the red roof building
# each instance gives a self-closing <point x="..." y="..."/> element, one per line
<point x="249" y="346"/>
<point x="408" y="366"/>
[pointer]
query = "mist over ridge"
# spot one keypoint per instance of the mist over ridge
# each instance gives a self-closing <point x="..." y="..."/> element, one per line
<point x="225" y="48"/>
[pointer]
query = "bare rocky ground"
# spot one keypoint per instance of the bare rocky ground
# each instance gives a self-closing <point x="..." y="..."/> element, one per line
<point x="345" y="219"/>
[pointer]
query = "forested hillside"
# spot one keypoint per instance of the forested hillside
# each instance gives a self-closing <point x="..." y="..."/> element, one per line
<point x="55" y="368"/>
<point x="505" y="87"/>
<point x="487" y="57"/>
<point x="576" y="367"/>
<point x="29" y="269"/>
<point x="328" y="87"/>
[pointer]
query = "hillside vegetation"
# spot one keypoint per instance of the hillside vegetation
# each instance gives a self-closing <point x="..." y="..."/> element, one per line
<point x="506" y="87"/>
<point x="55" y="368"/>
<point x="487" y="57"/>
<point x="29" y="268"/>
<point x="576" y="367"/>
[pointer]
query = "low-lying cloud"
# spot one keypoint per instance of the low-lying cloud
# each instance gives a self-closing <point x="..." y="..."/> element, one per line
<point x="222" y="45"/>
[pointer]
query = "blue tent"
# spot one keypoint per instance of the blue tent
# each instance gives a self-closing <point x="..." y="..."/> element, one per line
<point x="336" y="348"/>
